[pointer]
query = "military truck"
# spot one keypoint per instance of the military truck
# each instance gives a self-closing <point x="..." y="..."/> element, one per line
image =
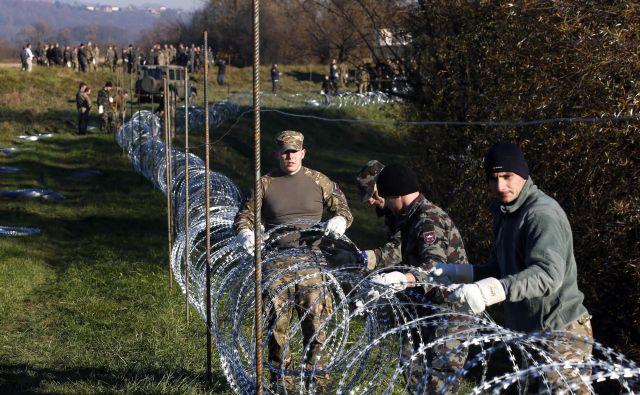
<point x="149" y="83"/>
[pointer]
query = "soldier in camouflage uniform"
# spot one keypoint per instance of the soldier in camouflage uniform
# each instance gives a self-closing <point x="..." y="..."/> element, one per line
<point x="387" y="254"/>
<point x="105" y="102"/>
<point x="290" y="193"/>
<point x="427" y="237"/>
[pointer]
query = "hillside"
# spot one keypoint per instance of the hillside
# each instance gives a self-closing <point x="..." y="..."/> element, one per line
<point x="32" y="20"/>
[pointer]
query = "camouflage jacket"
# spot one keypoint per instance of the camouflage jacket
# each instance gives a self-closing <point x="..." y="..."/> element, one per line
<point x="103" y="100"/>
<point x="429" y="237"/>
<point x="333" y="200"/>
<point x="390" y="253"/>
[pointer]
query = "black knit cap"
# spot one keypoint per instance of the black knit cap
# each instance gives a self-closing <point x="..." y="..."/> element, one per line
<point x="505" y="157"/>
<point x="396" y="180"/>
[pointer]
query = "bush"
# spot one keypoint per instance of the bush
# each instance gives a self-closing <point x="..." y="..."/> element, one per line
<point x="493" y="61"/>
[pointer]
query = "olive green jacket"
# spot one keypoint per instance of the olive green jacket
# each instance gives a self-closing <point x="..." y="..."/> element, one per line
<point x="532" y="255"/>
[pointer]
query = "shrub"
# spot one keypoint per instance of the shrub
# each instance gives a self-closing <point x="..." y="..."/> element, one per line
<point x="493" y="61"/>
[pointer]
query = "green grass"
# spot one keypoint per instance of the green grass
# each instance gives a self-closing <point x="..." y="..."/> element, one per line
<point x="86" y="307"/>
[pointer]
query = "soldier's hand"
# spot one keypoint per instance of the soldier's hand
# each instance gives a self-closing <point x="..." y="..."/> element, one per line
<point x="449" y="273"/>
<point x="343" y="258"/>
<point x="336" y="226"/>
<point x="247" y="240"/>
<point x="397" y="281"/>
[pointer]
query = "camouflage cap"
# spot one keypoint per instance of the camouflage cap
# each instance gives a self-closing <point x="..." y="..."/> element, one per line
<point x="289" y="140"/>
<point x="367" y="178"/>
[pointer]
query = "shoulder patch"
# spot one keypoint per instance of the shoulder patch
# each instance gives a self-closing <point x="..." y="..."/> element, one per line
<point x="429" y="237"/>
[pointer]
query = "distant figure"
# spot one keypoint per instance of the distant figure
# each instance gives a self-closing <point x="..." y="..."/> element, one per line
<point x="26" y="56"/>
<point x="105" y="109"/>
<point x="327" y="89"/>
<point x="222" y="68"/>
<point x="83" y="58"/>
<point x="334" y="75"/>
<point x="66" y="57"/>
<point x="275" y="78"/>
<point x="83" y="105"/>
<point x="120" y="107"/>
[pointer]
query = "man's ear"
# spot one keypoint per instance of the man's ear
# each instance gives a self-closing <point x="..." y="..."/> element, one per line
<point x="304" y="152"/>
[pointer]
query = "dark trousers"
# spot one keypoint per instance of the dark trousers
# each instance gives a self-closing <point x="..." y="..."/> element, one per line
<point x="83" y="121"/>
<point x="220" y="79"/>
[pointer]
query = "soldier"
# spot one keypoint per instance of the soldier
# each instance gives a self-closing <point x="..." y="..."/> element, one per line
<point x="96" y="58"/>
<point x="531" y="267"/>
<point x="83" y="58"/>
<point x="387" y="254"/>
<point x="343" y="69"/>
<point x="74" y="58"/>
<point x="427" y="237"/>
<point x="83" y="105"/>
<point x="66" y="57"/>
<point x="363" y="79"/>
<point x="275" y="78"/>
<point x="105" y="109"/>
<point x="108" y="58"/>
<point x="289" y="193"/>
<point x="120" y="107"/>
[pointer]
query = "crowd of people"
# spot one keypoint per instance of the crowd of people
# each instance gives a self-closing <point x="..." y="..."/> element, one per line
<point x="88" y="57"/>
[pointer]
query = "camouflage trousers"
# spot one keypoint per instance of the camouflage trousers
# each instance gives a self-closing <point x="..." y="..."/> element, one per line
<point x="313" y="303"/>
<point x="576" y="349"/>
<point x="444" y="359"/>
<point x="107" y="122"/>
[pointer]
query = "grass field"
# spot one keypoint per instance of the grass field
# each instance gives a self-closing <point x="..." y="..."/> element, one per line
<point x="86" y="307"/>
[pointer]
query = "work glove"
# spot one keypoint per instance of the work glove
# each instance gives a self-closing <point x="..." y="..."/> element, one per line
<point x="369" y="299"/>
<point x="348" y="258"/>
<point x="247" y="240"/>
<point x="100" y="109"/>
<point x="335" y="226"/>
<point x="395" y="280"/>
<point x="451" y="273"/>
<point x="479" y="295"/>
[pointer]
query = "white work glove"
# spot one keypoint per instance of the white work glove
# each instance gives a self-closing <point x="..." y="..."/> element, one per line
<point x="369" y="299"/>
<point x="247" y="240"/>
<point x="395" y="280"/>
<point x="336" y="226"/>
<point x="110" y="99"/>
<point x="100" y="109"/>
<point x="451" y="273"/>
<point x="479" y="295"/>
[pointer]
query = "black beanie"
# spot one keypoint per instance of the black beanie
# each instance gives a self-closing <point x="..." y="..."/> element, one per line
<point x="506" y="157"/>
<point x="396" y="180"/>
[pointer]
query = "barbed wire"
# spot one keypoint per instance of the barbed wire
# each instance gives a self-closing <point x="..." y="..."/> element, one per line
<point x="361" y="336"/>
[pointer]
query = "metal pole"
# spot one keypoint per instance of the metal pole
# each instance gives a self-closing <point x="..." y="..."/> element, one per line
<point x="257" y="206"/>
<point x="186" y="188"/>
<point x="207" y="194"/>
<point x="167" y="171"/>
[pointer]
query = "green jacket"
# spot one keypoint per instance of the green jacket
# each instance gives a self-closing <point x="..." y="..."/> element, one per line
<point x="532" y="255"/>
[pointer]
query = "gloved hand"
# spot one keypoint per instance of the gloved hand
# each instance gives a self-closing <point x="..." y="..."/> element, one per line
<point x="369" y="299"/>
<point x="336" y="226"/>
<point x="247" y="240"/>
<point x="395" y="280"/>
<point x="348" y="258"/>
<point x="449" y="273"/>
<point x="479" y="295"/>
